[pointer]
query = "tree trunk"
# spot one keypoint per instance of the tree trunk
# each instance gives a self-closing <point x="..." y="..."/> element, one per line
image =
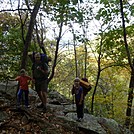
<point x="129" y="107"/>
<point x="29" y="33"/>
<point x="85" y="48"/>
<point x="85" y="68"/>
<point x="56" y="53"/>
<point x="98" y="76"/>
<point x="130" y="100"/>
<point x="75" y="54"/>
<point x="130" y="92"/>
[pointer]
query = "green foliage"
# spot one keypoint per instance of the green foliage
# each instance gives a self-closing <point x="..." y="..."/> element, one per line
<point x="110" y="99"/>
<point x="62" y="11"/>
<point x="11" y="45"/>
<point x="111" y="96"/>
<point x="64" y="75"/>
<point x="109" y="14"/>
<point x="113" y="45"/>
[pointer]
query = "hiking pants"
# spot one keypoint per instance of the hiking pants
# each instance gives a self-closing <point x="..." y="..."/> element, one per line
<point x="80" y="110"/>
<point x="19" y="97"/>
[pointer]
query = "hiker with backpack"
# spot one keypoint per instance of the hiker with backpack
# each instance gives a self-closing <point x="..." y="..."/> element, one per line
<point x="23" y="80"/>
<point x="40" y="75"/>
<point x="77" y="92"/>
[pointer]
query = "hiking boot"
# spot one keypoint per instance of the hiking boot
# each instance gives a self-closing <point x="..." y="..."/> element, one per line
<point x="40" y="106"/>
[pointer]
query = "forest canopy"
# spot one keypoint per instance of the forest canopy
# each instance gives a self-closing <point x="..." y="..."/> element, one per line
<point x="89" y="38"/>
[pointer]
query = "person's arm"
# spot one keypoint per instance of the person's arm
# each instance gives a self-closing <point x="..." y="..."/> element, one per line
<point x="11" y="78"/>
<point x="72" y="91"/>
<point x="44" y="70"/>
<point x="30" y="78"/>
<point x="17" y="78"/>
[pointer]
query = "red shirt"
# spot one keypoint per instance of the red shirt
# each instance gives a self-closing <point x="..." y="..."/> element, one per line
<point x="23" y="81"/>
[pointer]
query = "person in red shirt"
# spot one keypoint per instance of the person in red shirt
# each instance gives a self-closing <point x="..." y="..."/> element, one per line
<point x="23" y="80"/>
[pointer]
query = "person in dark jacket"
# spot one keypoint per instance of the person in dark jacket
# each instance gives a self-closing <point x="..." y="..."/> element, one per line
<point x="40" y="75"/>
<point x="77" y="92"/>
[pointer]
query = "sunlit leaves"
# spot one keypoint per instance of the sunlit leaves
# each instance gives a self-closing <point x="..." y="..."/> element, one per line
<point x="11" y="43"/>
<point x="110" y="19"/>
<point x="63" y="11"/>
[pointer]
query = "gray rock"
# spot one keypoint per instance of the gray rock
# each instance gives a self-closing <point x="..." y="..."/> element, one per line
<point x="3" y="116"/>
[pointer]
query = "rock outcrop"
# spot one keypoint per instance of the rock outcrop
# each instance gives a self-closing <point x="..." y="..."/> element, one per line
<point x="60" y="117"/>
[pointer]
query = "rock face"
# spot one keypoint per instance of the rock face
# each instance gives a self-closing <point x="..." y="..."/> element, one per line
<point x="60" y="117"/>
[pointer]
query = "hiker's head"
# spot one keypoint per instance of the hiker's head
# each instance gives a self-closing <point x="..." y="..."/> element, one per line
<point x="37" y="56"/>
<point x="76" y="79"/>
<point x="76" y="82"/>
<point x="22" y="71"/>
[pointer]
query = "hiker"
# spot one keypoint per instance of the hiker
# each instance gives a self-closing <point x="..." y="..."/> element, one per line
<point x="77" y="92"/>
<point x="23" y="80"/>
<point x="40" y="75"/>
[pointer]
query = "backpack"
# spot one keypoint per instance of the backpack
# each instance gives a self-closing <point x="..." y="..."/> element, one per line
<point x="85" y="85"/>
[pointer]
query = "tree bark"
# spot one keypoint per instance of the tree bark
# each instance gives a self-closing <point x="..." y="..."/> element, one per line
<point x="29" y="33"/>
<point x="98" y="76"/>
<point x="130" y="92"/>
<point x="40" y="42"/>
<point x="56" y="53"/>
<point x="85" y="68"/>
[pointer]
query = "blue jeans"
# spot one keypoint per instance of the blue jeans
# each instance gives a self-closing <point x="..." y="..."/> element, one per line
<point x="19" y="97"/>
